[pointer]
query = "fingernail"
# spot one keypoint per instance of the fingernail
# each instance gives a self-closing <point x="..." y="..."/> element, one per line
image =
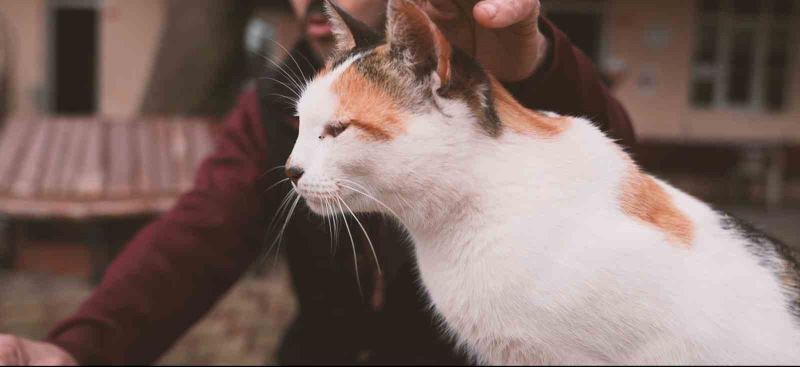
<point x="489" y="9"/>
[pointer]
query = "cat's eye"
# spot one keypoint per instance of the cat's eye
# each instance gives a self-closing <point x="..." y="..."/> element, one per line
<point x="333" y="129"/>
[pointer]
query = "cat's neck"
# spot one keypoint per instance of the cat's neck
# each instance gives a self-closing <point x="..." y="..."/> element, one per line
<point x="559" y="171"/>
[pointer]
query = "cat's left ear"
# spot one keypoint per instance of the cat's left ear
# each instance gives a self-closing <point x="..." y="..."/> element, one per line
<point x="349" y="32"/>
<point x="413" y="35"/>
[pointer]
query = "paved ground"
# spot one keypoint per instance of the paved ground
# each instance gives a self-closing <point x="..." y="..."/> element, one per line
<point x="245" y="327"/>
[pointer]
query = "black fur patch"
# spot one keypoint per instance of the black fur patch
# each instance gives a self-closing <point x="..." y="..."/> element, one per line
<point x="773" y="254"/>
<point x="469" y="82"/>
<point x="365" y="37"/>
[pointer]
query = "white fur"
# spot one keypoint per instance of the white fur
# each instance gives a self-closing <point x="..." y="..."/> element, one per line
<point x="527" y="256"/>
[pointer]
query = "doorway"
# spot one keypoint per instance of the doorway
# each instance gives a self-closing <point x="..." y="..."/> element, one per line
<point x="73" y="68"/>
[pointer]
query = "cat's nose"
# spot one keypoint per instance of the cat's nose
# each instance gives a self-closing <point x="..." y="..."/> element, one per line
<point x="294" y="173"/>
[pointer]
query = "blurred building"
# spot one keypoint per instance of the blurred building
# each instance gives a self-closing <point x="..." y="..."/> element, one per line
<point x="696" y="70"/>
<point x="95" y="56"/>
<point x="713" y="86"/>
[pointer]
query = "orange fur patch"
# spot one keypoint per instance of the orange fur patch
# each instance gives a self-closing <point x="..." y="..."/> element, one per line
<point x="367" y="106"/>
<point x="643" y="198"/>
<point x="523" y="120"/>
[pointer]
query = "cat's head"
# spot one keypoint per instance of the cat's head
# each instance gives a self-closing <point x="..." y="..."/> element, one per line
<point x="388" y="116"/>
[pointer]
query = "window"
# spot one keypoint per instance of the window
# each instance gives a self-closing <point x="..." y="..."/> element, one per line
<point x="741" y="53"/>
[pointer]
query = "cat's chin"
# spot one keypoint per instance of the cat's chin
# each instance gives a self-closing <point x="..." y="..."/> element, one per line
<point x="323" y="208"/>
<point x="317" y="206"/>
<point x="320" y="207"/>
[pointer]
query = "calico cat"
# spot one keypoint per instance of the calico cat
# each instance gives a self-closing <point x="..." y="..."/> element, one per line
<point x="537" y="237"/>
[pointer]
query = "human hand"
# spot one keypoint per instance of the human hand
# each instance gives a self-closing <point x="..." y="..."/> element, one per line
<point x="18" y="351"/>
<point x="503" y="35"/>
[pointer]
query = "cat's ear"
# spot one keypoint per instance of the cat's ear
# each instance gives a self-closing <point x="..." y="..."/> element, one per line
<point x="413" y="35"/>
<point x="349" y="32"/>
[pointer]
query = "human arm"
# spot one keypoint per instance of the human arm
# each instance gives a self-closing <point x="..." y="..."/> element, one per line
<point x="175" y="269"/>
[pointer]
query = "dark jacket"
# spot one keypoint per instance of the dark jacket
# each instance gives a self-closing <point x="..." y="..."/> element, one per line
<point x="174" y="270"/>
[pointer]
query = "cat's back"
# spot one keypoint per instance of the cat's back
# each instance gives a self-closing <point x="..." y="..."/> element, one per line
<point x="730" y="289"/>
<point x="729" y="292"/>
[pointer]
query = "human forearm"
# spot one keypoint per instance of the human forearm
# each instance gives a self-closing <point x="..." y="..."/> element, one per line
<point x="174" y="270"/>
<point x="566" y="82"/>
<point x="166" y="279"/>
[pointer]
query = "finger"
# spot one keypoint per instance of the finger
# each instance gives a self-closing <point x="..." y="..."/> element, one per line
<point x="11" y="351"/>
<point x="503" y="13"/>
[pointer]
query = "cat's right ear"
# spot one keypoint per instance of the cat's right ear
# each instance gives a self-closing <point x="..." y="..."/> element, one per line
<point x="349" y="32"/>
<point x="414" y="36"/>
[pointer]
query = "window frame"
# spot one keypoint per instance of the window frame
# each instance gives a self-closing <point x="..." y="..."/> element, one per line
<point x="727" y="23"/>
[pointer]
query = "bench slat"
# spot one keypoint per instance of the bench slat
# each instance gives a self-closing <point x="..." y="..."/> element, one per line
<point x="147" y="179"/>
<point x="54" y="165"/>
<point x="202" y="144"/>
<point x="25" y="184"/>
<point x="74" y="158"/>
<point x="89" y="181"/>
<point x="180" y="151"/>
<point x="14" y="138"/>
<point x="72" y="146"/>
<point x="121" y="160"/>
<point x="165" y="167"/>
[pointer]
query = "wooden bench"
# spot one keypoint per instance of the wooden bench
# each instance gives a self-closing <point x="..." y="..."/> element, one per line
<point x="94" y="169"/>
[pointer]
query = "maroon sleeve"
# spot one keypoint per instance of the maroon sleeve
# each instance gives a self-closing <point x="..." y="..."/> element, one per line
<point x="567" y="83"/>
<point x="178" y="266"/>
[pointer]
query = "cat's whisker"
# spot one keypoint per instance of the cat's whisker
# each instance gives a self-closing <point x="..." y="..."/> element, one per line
<point x="366" y="190"/>
<point x="289" y="54"/>
<point x="293" y="101"/>
<point x="279" y="238"/>
<point x="281" y="209"/>
<point x="272" y="170"/>
<point x="296" y="93"/>
<point x="295" y="86"/>
<point x="275" y="185"/>
<point x="353" y="243"/>
<point x="364" y="230"/>
<point x="403" y="201"/>
<point x="337" y="224"/>
<point x="294" y="78"/>
<point x="276" y="60"/>
<point x="356" y="184"/>
<point x="328" y="219"/>
<point x="372" y="198"/>
<point x="308" y="62"/>
<point x="278" y="212"/>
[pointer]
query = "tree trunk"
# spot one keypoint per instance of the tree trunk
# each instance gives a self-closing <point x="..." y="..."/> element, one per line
<point x="200" y="64"/>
